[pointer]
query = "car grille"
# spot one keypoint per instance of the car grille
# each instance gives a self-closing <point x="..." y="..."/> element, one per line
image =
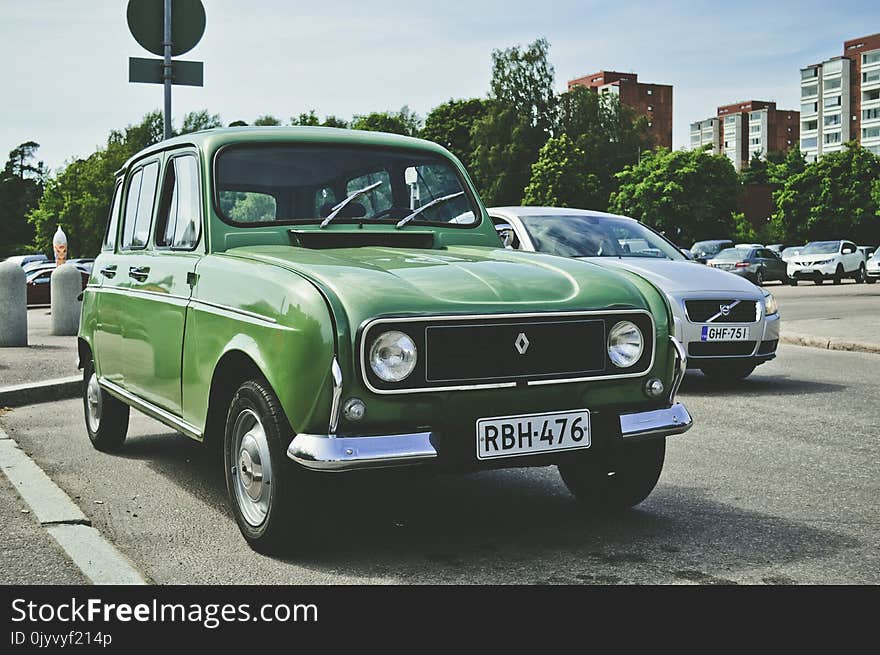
<point x="720" y="348"/>
<point x="701" y="311"/>
<point x="474" y="351"/>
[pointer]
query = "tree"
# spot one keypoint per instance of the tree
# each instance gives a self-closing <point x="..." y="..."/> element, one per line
<point x="402" y="122"/>
<point x="200" y="120"/>
<point x="757" y="172"/>
<point x="450" y="124"/>
<point x="267" y="119"/>
<point x="687" y="195"/>
<point x="832" y="198"/>
<point x="311" y="119"/>
<point x="517" y="122"/>
<point x="238" y="124"/>
<point x="21" y="186"/>
<point x="559" y="178"/>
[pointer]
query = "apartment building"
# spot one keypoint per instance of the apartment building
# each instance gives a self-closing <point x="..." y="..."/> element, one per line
<point x="744" y="129"/>
<point x="651" y="100"/>
<point x="840" y="100"/>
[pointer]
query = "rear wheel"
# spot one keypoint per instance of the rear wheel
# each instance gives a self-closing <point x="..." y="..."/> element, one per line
<point x="106" y="416"/>
<point x="616" y="480"/>
<point x="728" y="372"/>
<point x="860" y="274"/>
<point x="759" y="277"/>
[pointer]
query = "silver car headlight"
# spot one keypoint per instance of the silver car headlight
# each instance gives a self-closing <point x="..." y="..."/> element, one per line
<point x="393" y="356"/>
<point x="770" y="306"/>
<point x="625" y="344"/>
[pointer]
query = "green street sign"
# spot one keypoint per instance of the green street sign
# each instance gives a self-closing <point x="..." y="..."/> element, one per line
<point x="146" y="22"/>
<point x="150" y="71"/>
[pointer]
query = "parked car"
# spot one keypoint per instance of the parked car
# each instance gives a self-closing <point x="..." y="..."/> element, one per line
<point x="758" y="265"/>
<point x="872" y="268"/>
<point x="705" y="250"/>
<point x="827" y="260"/>
<point x="39" y="285"/>
<point x="867" y="251"/>
<point x="749" y="245"/>
<point x="23" y="260"/>
<point x="790" y="253"/>
<point x="341" y="302"/>
<point x="728" y="325"/>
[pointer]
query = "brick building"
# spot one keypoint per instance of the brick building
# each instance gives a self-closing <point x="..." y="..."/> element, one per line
<point x="651" y="100"/>
<point x="743" y="129"/>
<point x="840" y="100"/>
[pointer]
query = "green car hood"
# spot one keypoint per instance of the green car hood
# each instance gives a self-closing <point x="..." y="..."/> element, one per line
<point x="374" y="281"/>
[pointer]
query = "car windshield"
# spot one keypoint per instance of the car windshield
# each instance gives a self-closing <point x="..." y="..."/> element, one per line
<point x="821" y="248"/>
<point x="576" y="235"/>
<point x="734" y="254"/>
<point x="707" y="248"/>
<point x="304" y="183"/>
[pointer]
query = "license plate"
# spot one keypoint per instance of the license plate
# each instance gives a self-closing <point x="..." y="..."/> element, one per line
<point x="711" y="333"/>
<point x="511" y="436"/>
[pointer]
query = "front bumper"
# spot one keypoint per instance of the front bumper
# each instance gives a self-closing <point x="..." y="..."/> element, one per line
<point x="323" y="452"/>
<point x="811" y="271"/>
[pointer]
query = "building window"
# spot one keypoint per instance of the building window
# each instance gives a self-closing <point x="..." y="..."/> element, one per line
<point x="870" y="132"/>
<point x="873" y="149"/>
<point x="870" y="114"/>
<point x="754" y="129"/>
<point x="871" y="76"/>
<point x="812" y="142"/>
<point x="867" y="96"/>
<point x="833" y="119"/>
<point x="809" y="73"/>
<point x="871" y="57"/>
<point x="806" y="126"/>
<point x="834" y="137"/>
<point x="808" y="108"/>
<point x="756" y="141"/>
<point x="830" y="85"/>
<point x="807" y="91"/>
<point x="834" y="101"/>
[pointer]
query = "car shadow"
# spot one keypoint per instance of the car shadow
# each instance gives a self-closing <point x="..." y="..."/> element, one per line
<point x="517" y="525"/>
<point x="696" y="383"/>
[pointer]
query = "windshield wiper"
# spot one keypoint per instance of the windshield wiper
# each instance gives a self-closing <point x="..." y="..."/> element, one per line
<point x="406" y="219"/>
<point x="342" y="205"/>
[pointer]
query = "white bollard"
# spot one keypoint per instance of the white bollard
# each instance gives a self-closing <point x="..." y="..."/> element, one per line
<point x="66" y="285"/>
<point x="13" y="306"/>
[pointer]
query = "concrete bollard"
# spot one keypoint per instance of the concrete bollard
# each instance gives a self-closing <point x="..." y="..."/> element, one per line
<point x="66" y="285"/>
<point x="13" y="306"/>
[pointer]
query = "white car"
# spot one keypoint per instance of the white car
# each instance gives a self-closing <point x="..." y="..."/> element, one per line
<point x="727" y="324"/>
<point x="827" y="260"/>
<point x="872" y="269"/>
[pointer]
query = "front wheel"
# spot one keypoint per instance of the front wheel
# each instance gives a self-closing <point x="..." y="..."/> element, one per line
<point x="728" y="372"/>
<point x="869" y="279"/>
<point x="106" y="416"/>
<point x="860" y="275"/>
<point x="259" y="477"/>
<point x="617" y="480"/>
<point x="838" y="274"/>
<point x="793" y="281"/>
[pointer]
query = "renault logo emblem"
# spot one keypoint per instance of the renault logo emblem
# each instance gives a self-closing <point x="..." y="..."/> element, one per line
<point x="522" y="343"/>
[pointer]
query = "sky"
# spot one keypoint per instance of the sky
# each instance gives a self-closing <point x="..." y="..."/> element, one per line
<point x="65" y="82"/>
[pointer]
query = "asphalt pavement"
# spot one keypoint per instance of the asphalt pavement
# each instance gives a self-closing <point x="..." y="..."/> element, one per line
<point x="46" y="357"/>
<point x="776" y="484"/>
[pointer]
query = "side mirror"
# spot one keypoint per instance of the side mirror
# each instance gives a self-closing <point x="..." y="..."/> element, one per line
<point x="847" y="250"/>
<point x="506" y="234"/>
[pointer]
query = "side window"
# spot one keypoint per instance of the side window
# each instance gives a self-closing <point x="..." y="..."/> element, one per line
<point x="113" y="220"/>
<point x="180" y="215"/>
<point x="139" y="206"/>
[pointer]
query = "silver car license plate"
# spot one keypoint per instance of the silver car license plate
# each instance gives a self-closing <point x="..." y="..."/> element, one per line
<point x="714" y="333"/>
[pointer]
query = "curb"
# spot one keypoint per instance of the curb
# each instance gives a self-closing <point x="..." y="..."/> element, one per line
<point x="40" y="392"/>
<point x="830" y="344"/>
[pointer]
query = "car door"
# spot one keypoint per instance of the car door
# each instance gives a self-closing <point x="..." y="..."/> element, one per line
<point x="38" y="290"/>
<point x="160" y="284"/>
<point x="850" y="256"/>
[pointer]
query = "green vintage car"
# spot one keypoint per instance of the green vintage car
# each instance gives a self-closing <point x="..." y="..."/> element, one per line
<point x="322" y="300"/>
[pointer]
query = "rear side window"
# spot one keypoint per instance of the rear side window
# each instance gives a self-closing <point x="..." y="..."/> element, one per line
<point x="139" y="206"/>
<point x="180" y="214"/>
<point x="113" y="220"/>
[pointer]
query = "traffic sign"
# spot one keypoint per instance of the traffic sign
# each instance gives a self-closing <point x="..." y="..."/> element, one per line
<point x="146" y="22"/>
<point x="151" y="71"/>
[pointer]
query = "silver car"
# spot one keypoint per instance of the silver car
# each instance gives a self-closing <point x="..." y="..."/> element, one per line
<point x="728" y="324"/>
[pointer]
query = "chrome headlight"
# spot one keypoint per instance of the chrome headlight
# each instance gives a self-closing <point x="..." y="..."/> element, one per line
<point x="770" y="306"/>
<point x="625" y="344"/>
<point x="393" y="356"/>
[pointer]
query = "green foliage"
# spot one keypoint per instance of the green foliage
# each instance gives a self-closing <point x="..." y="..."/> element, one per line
<point x="835" y="197"/>
<point x="517" y="122"/>
<point x="311" y="119"/>
<point x="238" y="124"/>
<point x="267" y="120"/>
<point x="200" y="120"/>
<point x="402" y="122"/>
<point x="559" y="177"/>
<point x="21" y="185"/>
<point x="687" y="194"/>
<point x="757" y="172"/>
<point x="450" y="125"/>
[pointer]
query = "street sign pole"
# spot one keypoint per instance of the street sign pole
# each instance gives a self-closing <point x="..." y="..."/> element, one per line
<point x="166" y="73"/>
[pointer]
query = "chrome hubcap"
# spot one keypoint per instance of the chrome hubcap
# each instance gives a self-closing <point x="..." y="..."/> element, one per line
<point x="93" y="403"/>
<point x="253" y="467"/>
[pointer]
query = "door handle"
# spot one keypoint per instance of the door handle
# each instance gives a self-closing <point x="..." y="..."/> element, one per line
<point x="139" y="273"/>
<point x="109" y="271"/>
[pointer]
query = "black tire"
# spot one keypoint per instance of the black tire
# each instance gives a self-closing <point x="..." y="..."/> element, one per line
<point x="869" y="279"/>
<point x="860" y="275"/>
<point x="106" y="417"/>
<point x="759" y="278"/>
<point x="728" y="372"/>
<point x="793" y="281"/>
<point x="838" y="274"/>
<point x="616" y="480"/>
<point x="818" y="280"/>
<point x="271" y="533"/>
